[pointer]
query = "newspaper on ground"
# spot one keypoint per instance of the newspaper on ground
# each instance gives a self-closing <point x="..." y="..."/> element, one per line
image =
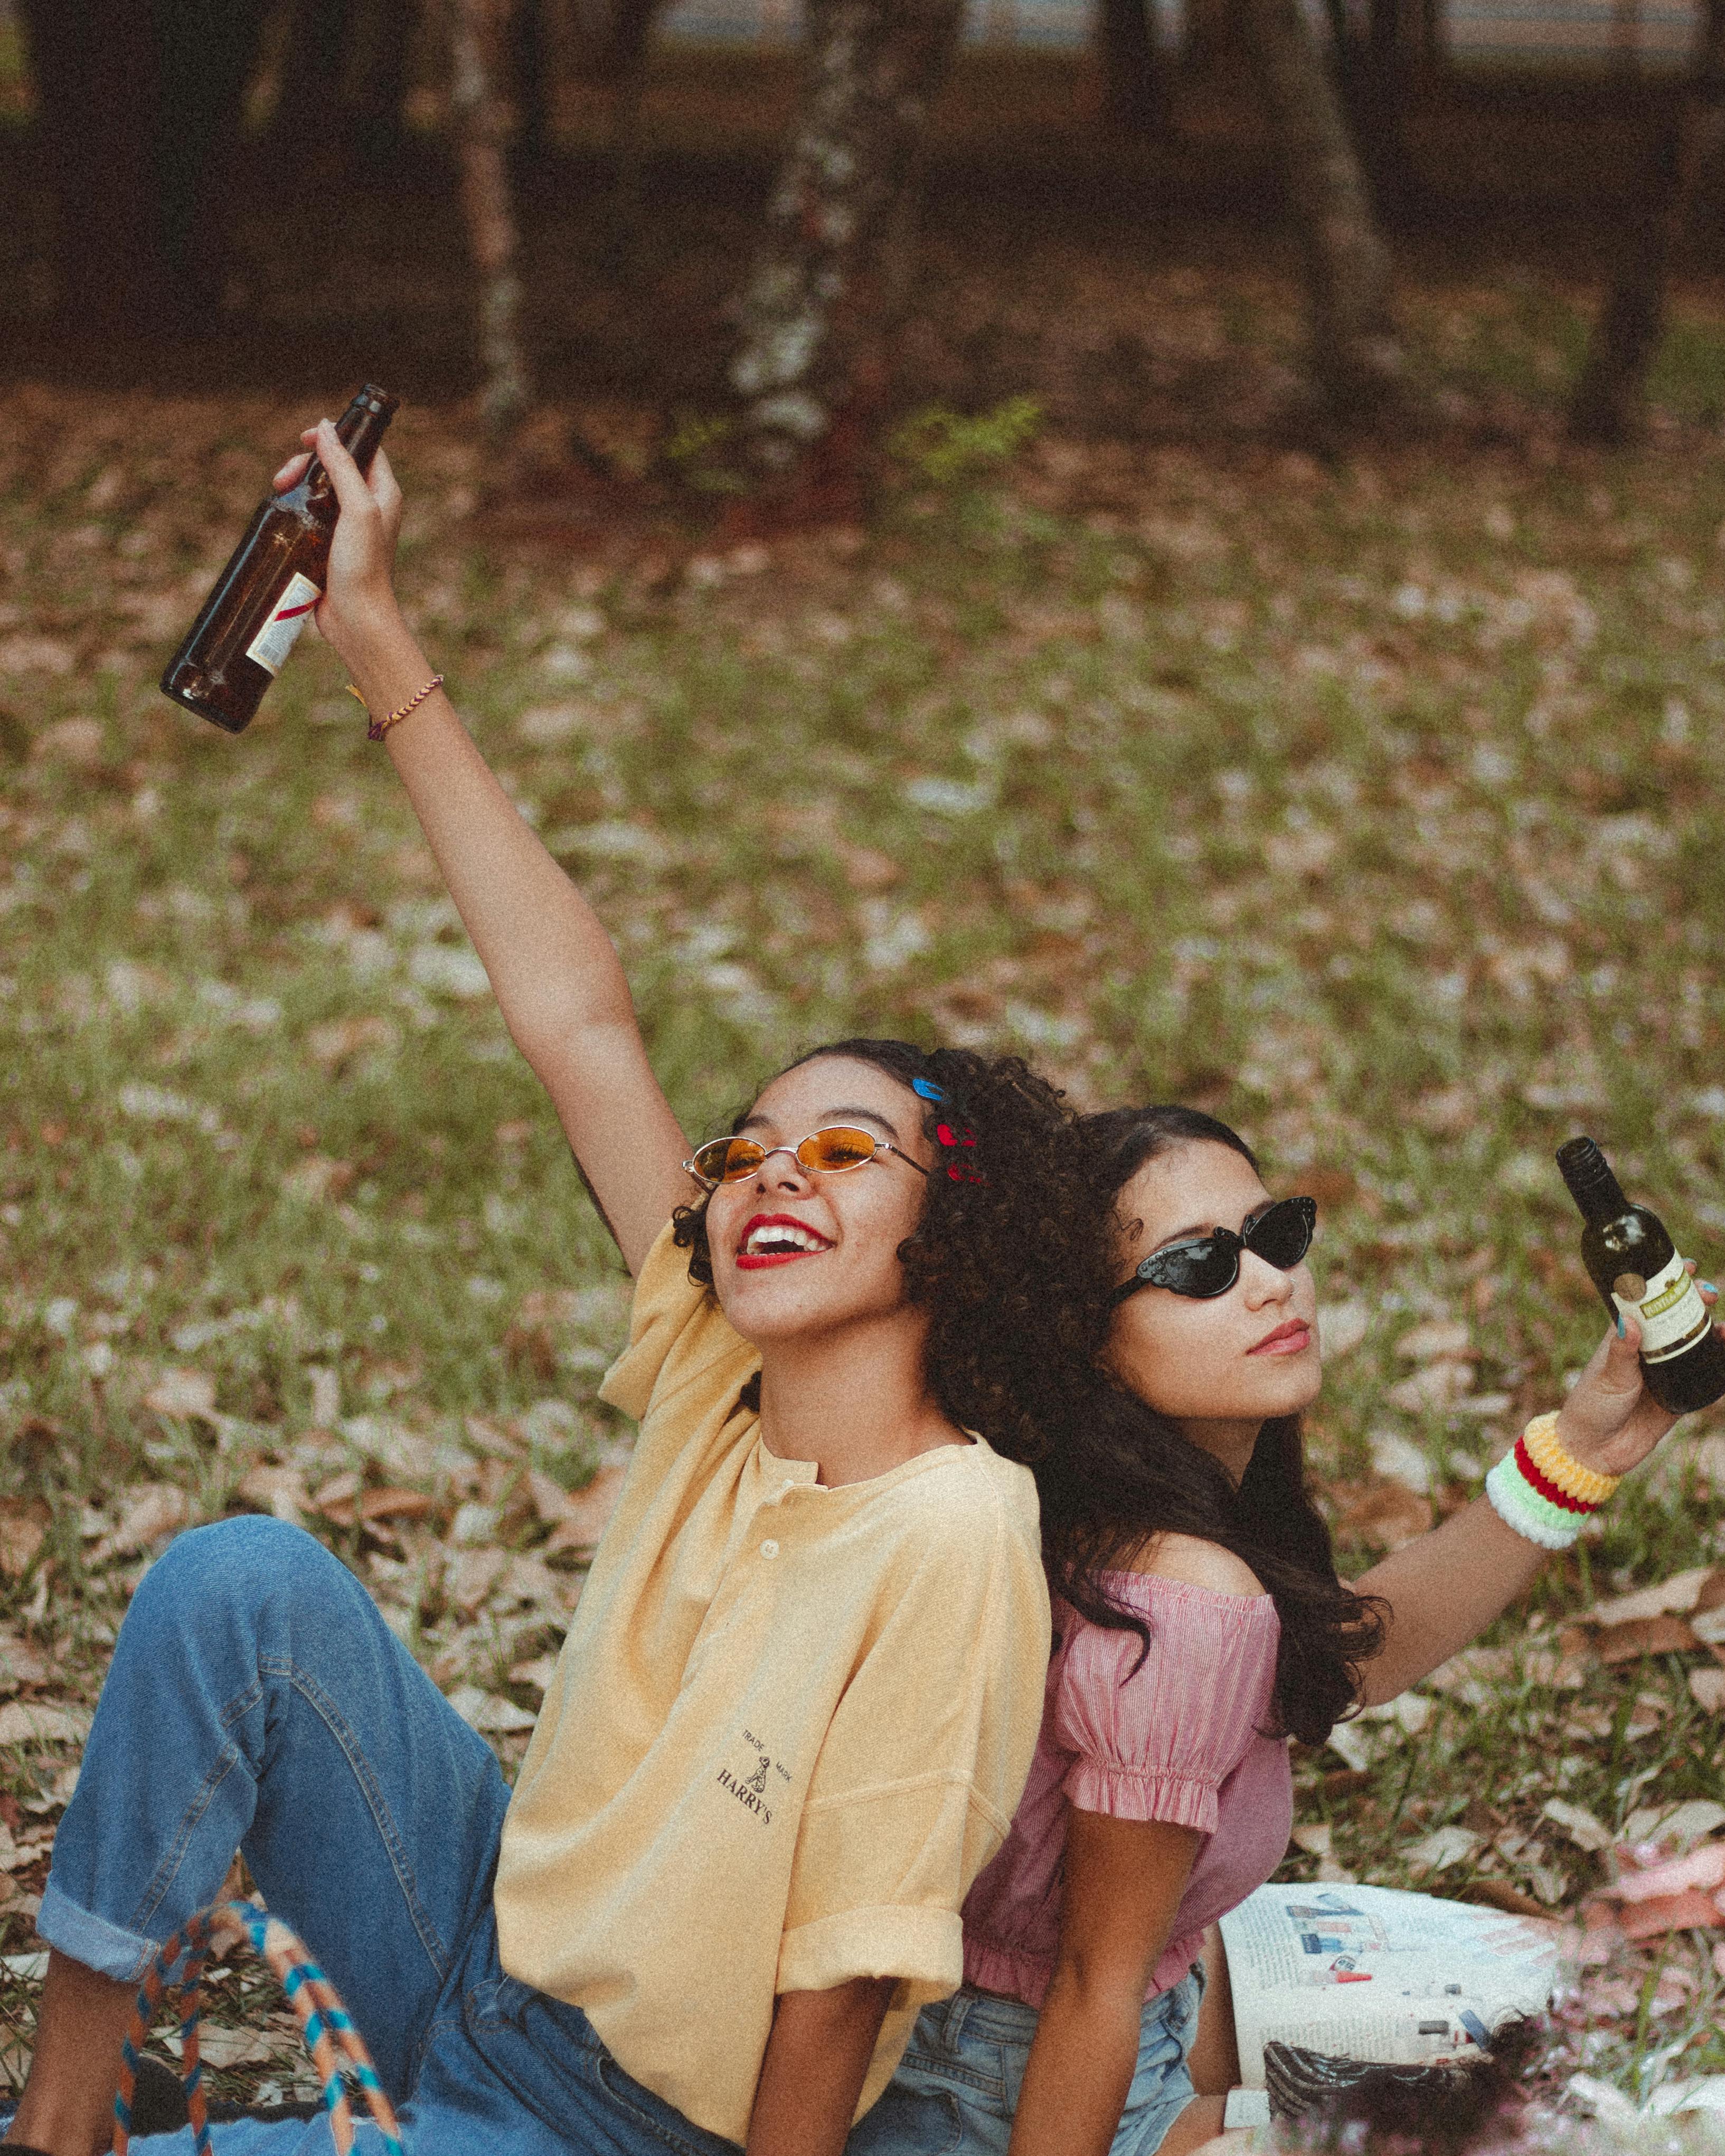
<point x="1374" y="1972"/>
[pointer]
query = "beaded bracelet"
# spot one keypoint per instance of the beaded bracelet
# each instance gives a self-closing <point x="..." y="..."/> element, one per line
<point x="1540" y="1491"/>
<point x="378" y="728"/>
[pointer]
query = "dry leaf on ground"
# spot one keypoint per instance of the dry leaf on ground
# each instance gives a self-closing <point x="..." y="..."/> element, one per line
<point x="184" y="1393"/>
<point x="589" y="1512"/>
<point x="24" y="1527"/>
<point x="36" y="1721"/>
<point x="148" y="1511"/>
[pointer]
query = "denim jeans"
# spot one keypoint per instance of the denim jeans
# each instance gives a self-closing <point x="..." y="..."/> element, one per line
<point x="957" y="2088"/>
<point x="257" y="1701"/>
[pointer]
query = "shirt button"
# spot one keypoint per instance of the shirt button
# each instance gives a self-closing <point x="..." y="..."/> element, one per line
<point x="769" y="1549"/>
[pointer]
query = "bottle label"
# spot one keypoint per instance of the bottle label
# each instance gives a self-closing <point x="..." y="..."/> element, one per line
<point x="1668" y="1308"/>
<point x="274" y="641"/>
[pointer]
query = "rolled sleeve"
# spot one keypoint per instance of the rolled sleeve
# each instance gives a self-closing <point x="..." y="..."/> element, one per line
<point x="921" y="1769"/>
<point x="923" y="1948"/>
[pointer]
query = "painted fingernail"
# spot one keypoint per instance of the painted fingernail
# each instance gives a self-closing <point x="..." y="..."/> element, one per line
<point x="1709" y="1287"/>
<point x="1622" y="1331"/>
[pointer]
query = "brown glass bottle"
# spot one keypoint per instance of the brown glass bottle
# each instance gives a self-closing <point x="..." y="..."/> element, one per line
<point x="1632" y="1262"/>
<point x="262" y="599"/>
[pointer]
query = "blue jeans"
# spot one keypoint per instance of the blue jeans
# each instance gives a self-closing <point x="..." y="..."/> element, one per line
<point x="957" y="2088"/>
<point x="257" y="1701"/>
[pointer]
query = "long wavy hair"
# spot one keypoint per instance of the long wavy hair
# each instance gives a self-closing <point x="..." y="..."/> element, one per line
<point x="1124" y="1474"/>
<point x="1011" y="1255"/>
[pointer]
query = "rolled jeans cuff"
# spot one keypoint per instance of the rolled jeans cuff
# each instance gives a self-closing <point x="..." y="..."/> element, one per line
<point x="93" y="1940"/>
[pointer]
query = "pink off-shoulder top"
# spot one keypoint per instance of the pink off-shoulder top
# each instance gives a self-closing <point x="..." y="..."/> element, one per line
<point x="1181" y="1739"/>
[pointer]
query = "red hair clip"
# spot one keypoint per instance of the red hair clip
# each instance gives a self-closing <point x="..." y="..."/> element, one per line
<point x="958" y="1172"/>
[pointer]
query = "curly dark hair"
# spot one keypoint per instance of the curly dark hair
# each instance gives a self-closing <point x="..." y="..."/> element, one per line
<point x="1007" y="1356"/>
<point x="1126" y="1474"/>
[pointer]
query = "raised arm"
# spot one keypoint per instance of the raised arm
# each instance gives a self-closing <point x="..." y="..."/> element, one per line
<point x="554" y="969"/>
<point x="1443" y="1589"/>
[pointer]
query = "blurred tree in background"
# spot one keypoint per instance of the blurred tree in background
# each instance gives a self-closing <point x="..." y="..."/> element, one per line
<point x="160" y="126"/>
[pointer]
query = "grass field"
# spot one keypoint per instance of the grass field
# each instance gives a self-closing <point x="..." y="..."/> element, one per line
<point x="1375" y="805"/>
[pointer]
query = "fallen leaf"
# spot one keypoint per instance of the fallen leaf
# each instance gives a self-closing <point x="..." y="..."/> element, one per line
<point x="35" y="1721"/>
<point x="317" y="1177"/>
<point x="1681" y="1827"/>
<point x="23" y="1529"/>
<point x="1341" y="1328"/>
<point x="1582" y="1828"/>
<point x="338" y="1499"/>
<point x="489" y="1714"/>
<point x="1644" y="1635"/>
<point x="149" y="1511"/>
<point x="1437" y="1851"/>
<point x="1388" y="1514"/>
<point x="395" y="1505"/>
<point x="1499" y="1894"/>
<point x="1437" y="1339"/>
<point x="471" y="1575"/>
<point x="588" y="1512"/>
<point x="22" y="1663"/>
<point x="224" y="2048"/>
<point x="1436" y="1385"/>
<point x="1707" y="1687"/>
<point x="187" y="1394"/>
<point x="277" y="1490"/>
<point x="1674" y="1597"/>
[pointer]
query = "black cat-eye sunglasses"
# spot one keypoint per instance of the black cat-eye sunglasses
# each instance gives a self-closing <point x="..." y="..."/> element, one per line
<point x="1209" y="1265"/>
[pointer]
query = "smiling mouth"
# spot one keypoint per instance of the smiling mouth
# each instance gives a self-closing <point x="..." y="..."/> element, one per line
<point x="1289" y="1339"/>
<point x="777" y="1239"/>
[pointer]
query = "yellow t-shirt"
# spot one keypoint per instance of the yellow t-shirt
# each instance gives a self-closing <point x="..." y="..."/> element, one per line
<point x="789" y="1726"/>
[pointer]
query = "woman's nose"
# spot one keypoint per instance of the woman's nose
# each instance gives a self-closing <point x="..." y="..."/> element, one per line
<point x="1263" y="1282"/>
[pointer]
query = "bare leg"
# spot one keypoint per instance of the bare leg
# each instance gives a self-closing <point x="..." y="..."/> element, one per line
<point x="1213" y="2061"/>
<point x="67" y="2108"/>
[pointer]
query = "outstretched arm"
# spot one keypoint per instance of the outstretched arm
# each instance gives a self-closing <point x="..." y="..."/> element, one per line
<point x="554" y="972"/>
<point x="1443" y="1589"/>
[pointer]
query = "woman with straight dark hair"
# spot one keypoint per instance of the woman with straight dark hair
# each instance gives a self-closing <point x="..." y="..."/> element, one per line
<point x="1198" y="1624"/>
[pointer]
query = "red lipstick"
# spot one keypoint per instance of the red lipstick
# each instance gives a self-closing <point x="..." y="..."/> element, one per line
<point x="1289" y="1339"/>
<point x="784" y="1239"/>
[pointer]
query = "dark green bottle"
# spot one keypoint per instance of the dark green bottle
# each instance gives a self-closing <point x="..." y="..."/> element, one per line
<point x="1637" y="1269"/>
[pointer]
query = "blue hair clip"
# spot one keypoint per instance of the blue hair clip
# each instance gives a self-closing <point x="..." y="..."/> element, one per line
<point x="927" y="1088"/>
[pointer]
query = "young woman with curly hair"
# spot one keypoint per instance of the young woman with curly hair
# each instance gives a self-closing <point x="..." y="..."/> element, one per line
<point x="1200" y="1622"/>
<point x="799" y="1696"/>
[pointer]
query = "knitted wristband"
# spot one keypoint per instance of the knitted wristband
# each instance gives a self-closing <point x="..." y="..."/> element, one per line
<point x="1538" y="1489"/>
<point x="1545" y="1449"/>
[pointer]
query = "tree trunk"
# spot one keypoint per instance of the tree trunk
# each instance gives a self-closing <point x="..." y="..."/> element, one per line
<point x="138" y="110"/>
<point x="1610" y="399"/>
<point x="477" y="35"/>
<point x="1132" y="79"/>
<point x="1356" y="355"/>
<point x="812" y="315"/>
